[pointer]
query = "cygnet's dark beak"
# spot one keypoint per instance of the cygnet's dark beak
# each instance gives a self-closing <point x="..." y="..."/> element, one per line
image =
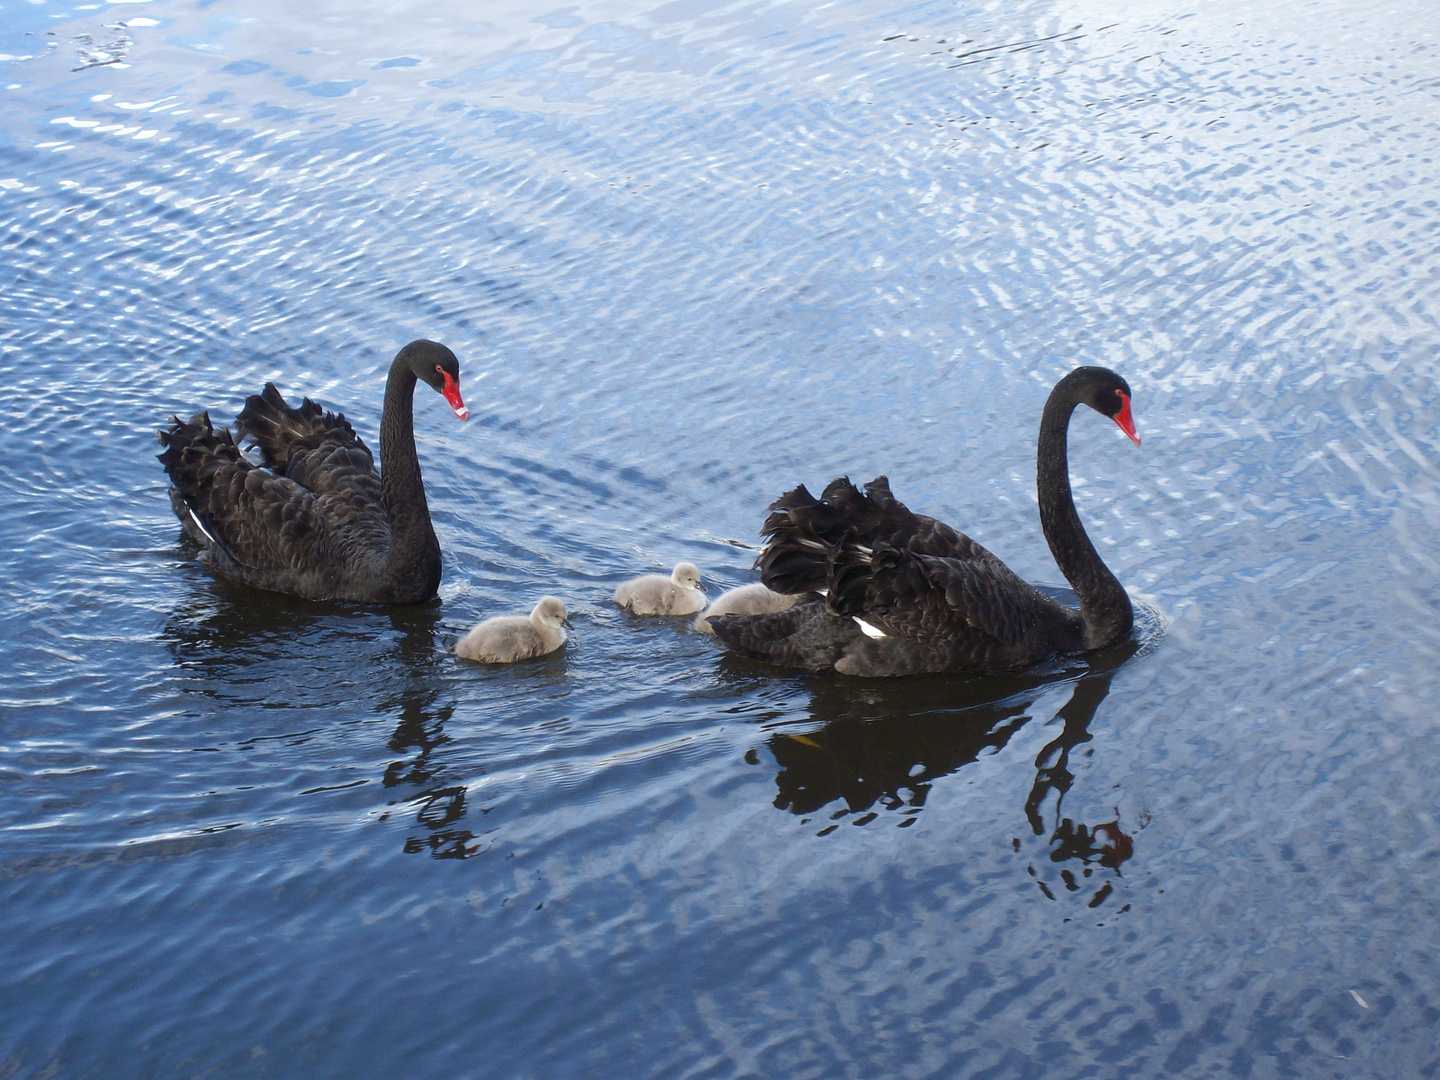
<point x="566" y="622"/>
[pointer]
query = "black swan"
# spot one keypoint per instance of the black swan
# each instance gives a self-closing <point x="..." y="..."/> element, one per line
<point x="884" y="591"/>
<point x="315" y="519"/>
<point x="508" y="638"/>
<point x="656" y="594"/>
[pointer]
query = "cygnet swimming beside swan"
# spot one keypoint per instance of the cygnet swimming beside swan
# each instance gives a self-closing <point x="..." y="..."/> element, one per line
<point x="508" y="638"/>
<point x="656" y="594"/>
<point x="745" y="600"/>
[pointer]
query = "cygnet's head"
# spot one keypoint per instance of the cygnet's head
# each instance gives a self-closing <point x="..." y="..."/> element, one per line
<point x="687" y="576"/>
<point x="550" y="612"/>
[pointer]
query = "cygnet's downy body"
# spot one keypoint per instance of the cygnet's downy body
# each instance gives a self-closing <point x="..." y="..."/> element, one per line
<point x="508" y="638"/>
<point x="656" y="594"/>
<point x="745" y="600"/>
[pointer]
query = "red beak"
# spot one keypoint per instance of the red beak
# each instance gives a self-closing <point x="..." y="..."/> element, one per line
<point x="1125" y="421"/>
<point x="451" y="390"/>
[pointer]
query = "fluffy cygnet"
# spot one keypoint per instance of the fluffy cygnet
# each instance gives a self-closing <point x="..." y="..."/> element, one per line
<point x="746" y="600"/>
<point x="507" y="638"/>
<point x="655" y="594"/>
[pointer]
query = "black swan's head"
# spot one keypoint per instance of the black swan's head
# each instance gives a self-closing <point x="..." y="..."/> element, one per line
<point x="1106" y="393"/>
<point x="436" y="366"/>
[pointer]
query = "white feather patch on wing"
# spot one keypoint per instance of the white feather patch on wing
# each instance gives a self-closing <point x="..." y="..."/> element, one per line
<point x="202" y="528"/>
<point x="867" y="629"/>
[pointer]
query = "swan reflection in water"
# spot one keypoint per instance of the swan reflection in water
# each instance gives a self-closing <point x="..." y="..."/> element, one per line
<point x="328" y="665"/>
<point x="438" y="793"/>
<point x="882" y="744"/>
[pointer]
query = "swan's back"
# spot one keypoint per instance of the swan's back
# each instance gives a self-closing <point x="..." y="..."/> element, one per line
<point x="320" y="451"/>
<point x="807" y="538"/>
<point x="316" y="448"/>
<point x="933" y="598"/>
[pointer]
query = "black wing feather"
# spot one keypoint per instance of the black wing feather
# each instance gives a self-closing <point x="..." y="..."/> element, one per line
<point x="320" y="451"/>
<point x="314" y="447"/>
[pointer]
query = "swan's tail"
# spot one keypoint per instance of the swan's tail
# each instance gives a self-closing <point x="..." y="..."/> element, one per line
<point x="197" y="455"/>
<point x="803" y="535"/>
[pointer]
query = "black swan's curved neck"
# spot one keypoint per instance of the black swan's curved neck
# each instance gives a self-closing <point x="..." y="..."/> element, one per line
<point x="1104" y="604"/>
<point x="413" y="563"/>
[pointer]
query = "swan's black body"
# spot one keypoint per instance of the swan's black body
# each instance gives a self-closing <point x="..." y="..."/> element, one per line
<point x="315" y="519"/>
<point x="940" y="600"/>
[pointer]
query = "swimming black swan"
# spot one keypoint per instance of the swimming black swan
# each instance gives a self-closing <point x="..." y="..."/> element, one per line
<point x="505" y="639"/>
<point x="316" y="520"/>
<point x="905" y="594"/>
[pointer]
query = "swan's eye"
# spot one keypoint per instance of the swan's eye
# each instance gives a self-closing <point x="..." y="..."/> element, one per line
<point x="441" y="370"/>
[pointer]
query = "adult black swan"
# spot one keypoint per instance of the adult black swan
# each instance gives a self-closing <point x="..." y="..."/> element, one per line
<point x="315" y="519"/>
<point x="904" y="594"/>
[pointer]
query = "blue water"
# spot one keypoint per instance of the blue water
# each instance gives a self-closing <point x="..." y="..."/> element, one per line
<point x="690" y="256"/>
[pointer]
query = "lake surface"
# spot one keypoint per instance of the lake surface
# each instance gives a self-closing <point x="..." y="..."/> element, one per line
<point x="690" y="255"/>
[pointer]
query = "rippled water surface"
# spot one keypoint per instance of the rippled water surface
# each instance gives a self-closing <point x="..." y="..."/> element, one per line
<point x="690" y="255"/>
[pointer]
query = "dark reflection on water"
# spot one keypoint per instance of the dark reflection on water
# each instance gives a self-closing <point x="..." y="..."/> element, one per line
<point x="440" y="803"/>
<point x="440" y="807"/>
<point x="336" y="662"/>
<point x="883" y="744"/>
<point x="223" y="624"/>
